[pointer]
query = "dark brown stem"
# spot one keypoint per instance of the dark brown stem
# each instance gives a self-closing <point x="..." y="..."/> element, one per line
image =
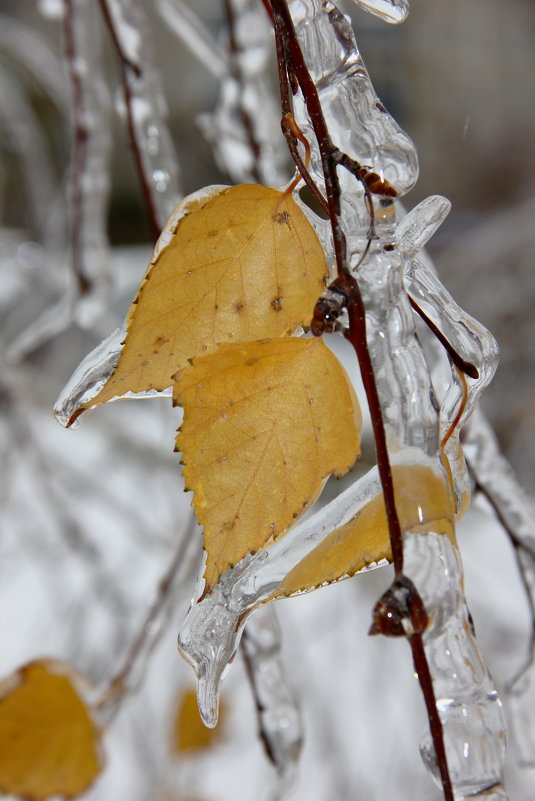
<point x="262" y="733"/>
<point x="79" y="156"/>
<point x="466" y="367"/>
<point x="128" y="69"/>
<point x="289" y="52"/>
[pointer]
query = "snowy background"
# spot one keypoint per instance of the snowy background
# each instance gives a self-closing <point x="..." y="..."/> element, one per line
<point x="91" y="518"/>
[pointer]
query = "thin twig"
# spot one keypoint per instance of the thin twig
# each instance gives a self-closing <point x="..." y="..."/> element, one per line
<point x="129" y="68"/>
<point x="79" y="156"/>
<point x="289" y="52"/>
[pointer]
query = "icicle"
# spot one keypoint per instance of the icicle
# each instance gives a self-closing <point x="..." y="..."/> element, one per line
<point x="89" y="169"/>
<point x="95" y="369"/>
<point x="244" y="129"/>
<point x="467" y="702"/>
<point x="146" y="107"/>
<point x="515" y="511"/>
<point x="393" y="11"/>
<point x="279" y="720"/>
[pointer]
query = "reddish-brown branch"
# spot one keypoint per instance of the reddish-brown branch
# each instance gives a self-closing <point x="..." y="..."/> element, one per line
<point x="127" y="69"/>
<point x="79" y="156"/>
<point x="292" y="65"/>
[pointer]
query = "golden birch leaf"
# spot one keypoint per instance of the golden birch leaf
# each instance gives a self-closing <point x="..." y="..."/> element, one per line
<point x="189" y="732"/>
<point x="265" y="423"/>
<point x="233" y="263"/>
<point x="49" y="746"/>
<point x="423" y="502"/>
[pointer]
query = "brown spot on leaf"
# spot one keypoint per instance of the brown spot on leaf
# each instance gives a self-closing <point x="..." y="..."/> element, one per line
<point x="276" y="303"/>
<point x="237" y="307"/>
<point x="282" y="218"/>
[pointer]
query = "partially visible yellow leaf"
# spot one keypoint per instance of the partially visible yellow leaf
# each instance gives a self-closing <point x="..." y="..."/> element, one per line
<point x="189" y="732"/>
<point x="424" y="503"/>
<point x="240" y="265"/>
<point x="48" y="743"/>
<point x="265" y="423"/>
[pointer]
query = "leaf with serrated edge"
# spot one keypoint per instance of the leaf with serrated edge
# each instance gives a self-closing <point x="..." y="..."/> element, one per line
<point x="49" y="746"/>
<point x="265" y="423"/>
<point x="233" y="264"/>
<point x="423" y="502"/>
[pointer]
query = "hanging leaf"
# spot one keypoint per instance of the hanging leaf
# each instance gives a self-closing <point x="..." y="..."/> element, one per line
<point x="49" y="745"/>
<point x="265" y="423"/>
<point x="234" y="263"/>
<point x="189" y="732"/>
<point x="423" y="503"/>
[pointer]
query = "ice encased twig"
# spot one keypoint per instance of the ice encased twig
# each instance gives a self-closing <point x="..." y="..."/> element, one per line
<point x="146" y="106"/>
<point x="516" y="512"/>
<point x="279" y="718"/>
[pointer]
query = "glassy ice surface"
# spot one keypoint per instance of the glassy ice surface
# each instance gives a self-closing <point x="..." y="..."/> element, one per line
<point x="89" y="179"/>
<point x="244" y="128"/>
<point x="393" y="11"/>
<point x="279" y="717"/>
<point x="148" y="107"/>
<point x="468" y="704"/>
<point x="360" y="126"/>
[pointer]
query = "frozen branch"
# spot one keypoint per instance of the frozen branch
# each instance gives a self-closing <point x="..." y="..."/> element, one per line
<point x="89" y="174"/>
<point x="146" y="109"/>
<point x="278" y="716"/>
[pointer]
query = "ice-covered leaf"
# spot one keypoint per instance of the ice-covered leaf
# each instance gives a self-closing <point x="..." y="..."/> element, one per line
<point x="264" y="424"/>
<point x="232" y="264"/>
<point x="49" y="745"/>
<point x="423" y="504"/>
<point x="189" y="732"/>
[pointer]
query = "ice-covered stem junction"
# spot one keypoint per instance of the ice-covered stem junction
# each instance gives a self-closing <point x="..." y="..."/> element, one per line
<point x="361" y="161"/>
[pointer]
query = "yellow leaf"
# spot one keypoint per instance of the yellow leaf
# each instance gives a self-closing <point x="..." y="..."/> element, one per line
<point x="48" y="743"/>
<point x="424" y="504"/>
<point x="264" y="424"/>
<point x="189" y="732"/>
<point x="241" y="264"/>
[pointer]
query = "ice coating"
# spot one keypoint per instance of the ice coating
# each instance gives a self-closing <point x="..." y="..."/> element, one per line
<point x="244" y="128"/>
<point x="467" y="702"/>
<point x="516" y="513"/>
<point x="146" y="107"/>
<point x="89" y="178"/>
<point x="278" y="715"/>
<point x="468" y="337"/>
<point x="358" y="122"/>
<point x="95" y="369"/>
<point x="393" y="11"/>
<point x="466" y="699"/>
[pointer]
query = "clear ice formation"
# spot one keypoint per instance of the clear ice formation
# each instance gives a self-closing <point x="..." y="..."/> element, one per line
<point x="515" y="510"/>
<point x="244" y="128"/>
<point x="90" y="170"/>
<point x="467" y="702"/>
<point x="147" y="106"/>
<point x="279" y="719"/>
<point x="393" y="11"/>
